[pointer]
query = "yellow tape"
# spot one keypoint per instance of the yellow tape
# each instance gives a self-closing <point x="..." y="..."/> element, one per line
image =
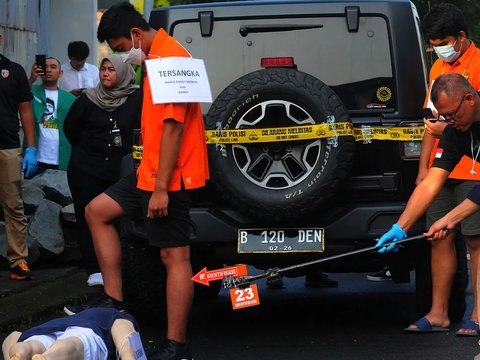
<point x="137" y="152"/>
<point x="307" y="132"/>
<point x="317" y="131"/>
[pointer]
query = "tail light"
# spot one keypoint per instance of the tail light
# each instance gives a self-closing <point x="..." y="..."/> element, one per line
<point x="278" y="62"/>
<point x="410" y="150"/>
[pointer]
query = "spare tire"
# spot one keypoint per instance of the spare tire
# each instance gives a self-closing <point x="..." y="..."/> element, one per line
<point x="278" y="180"/>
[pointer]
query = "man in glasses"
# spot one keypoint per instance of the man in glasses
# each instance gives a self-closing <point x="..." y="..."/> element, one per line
<point x="445" y="28"/>
<point x="458" y="104"/>
<point x="449" y="118"/>
<point x="461" y="121"/>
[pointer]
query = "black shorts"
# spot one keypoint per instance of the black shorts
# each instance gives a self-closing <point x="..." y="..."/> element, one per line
<point x="172" y="230"/>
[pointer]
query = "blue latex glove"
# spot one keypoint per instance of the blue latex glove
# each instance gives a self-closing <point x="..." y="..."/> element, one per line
<point x="392" y="235"/>
<point x="29" y="165"/>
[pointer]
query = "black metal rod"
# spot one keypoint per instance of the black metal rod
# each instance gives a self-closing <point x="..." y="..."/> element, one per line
<point x="330" y="258"/>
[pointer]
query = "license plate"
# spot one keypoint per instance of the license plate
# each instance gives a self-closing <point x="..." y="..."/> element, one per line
<point x="281" y="240"/>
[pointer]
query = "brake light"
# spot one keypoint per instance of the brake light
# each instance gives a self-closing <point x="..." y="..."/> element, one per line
<point x="410" y="150"/>
<point x="272" y="62"/>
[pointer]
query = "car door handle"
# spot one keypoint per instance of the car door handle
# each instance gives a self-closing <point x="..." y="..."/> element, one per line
<point x="247" y="29"/>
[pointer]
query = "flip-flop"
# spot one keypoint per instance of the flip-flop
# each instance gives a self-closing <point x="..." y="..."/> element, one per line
<point x="424" y="327"/>
<point x="471" y="325"/>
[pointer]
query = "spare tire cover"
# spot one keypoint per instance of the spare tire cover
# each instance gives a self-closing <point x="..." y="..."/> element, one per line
<point x="278" y="179"/>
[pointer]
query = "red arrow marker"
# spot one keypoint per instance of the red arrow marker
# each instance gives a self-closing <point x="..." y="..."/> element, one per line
<point x="204" y="277"/>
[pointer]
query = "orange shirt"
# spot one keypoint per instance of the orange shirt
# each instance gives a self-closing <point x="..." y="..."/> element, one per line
<point x="467" y="65"/>
<point x="191" y="167"/>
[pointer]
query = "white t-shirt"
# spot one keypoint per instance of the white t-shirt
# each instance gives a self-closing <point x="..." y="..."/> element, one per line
<point x="48" y="139"/>
<point x="87" y="77"/>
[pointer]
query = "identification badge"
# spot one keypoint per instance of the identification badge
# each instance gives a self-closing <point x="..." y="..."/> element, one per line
<point x="137" y="347"/>
<point x="116" y="137"/>
<point x="178" y="80"/>
<point x="244" y="297"/>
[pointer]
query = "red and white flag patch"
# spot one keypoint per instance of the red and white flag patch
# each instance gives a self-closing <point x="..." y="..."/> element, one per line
<point x="439" y="153"/>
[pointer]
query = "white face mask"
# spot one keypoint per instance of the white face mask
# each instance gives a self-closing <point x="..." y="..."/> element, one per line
<point x="134" y="56"/>
<point x="447" y="52"/>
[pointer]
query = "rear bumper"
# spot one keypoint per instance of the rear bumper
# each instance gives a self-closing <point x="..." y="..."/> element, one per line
<point x="361" y="223"/>
<point x="214" y="235"/>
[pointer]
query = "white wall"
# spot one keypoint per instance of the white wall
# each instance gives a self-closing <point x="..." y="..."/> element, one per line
<point x="73" y="20"/>
<point x="18" y="23"/>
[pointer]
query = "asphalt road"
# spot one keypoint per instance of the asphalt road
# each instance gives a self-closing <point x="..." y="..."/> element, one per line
<point x="358" y="320"/>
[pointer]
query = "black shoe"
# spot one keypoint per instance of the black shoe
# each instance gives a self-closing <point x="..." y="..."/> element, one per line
<point x="382" y="275"/>
<point x="172" y="350"/>
<point x="275" y="282"/>
<point x="104" y="301"/>
<point x="21" y="272"/>
<point x="319" y="280"/>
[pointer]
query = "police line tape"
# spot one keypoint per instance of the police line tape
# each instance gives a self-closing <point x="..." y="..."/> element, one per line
<point x="137" y="152"/>
<point x="317" y="131"/>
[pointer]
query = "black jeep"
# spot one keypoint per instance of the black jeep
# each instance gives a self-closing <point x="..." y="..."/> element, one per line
<point x="287" y="66"/>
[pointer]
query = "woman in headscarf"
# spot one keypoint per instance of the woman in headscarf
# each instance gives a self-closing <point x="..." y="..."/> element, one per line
<point x="100" y="127"/>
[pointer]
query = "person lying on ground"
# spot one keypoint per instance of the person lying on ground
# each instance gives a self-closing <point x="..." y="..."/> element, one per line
<point x="93" y="334"/>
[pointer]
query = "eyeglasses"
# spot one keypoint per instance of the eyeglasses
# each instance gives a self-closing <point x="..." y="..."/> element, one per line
<point x="450" y="117"/>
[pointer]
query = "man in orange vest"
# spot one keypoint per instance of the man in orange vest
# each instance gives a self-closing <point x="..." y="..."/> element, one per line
<point x="174" y="161"/>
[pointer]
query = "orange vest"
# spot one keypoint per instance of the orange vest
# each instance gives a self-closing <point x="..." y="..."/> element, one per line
<point x="191" y="167"/>
<point x="467" y="65"/>
<point x="463" y="168"/>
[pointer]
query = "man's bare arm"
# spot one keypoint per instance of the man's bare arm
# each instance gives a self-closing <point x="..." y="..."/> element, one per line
<point x="422" y="197"/>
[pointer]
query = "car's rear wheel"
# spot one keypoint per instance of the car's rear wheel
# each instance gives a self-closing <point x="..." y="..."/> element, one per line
<point x="278" y="180"/>
<point x="144" y="279"/>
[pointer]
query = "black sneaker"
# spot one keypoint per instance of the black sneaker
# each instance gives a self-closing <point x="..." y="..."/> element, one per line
<point x="21" y="272"/>
<point x="104" y="301"/>
<point x="172" y="350"/>
<point x="382" y="275"/>
<point x="319" y="280"/>
<point x="275" y="282"/>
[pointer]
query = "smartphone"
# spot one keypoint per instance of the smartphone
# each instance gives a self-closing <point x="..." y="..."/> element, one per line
<point x="41" y="61"/>
<point x="427" y="114"/>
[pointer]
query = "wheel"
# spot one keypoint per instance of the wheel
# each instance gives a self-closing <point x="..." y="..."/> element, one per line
<point x="143" y="276"/>
<point x="278" y="180"/>
<point x="200" y="258"/>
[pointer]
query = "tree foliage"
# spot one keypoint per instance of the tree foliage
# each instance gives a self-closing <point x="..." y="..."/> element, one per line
<point x="470" y="8"/>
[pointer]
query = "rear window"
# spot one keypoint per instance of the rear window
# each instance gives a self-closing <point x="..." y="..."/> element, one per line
<point x="357" y="65"/>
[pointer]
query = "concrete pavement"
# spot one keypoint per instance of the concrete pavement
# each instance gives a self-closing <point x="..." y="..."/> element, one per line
<point x="24" y="302"/>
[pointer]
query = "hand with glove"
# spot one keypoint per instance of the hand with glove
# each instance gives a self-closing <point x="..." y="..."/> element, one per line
<point x="29" y="165"/>
<point x="392" y="235"/>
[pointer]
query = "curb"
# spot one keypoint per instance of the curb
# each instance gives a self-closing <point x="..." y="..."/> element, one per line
<point x="24" y="302"/>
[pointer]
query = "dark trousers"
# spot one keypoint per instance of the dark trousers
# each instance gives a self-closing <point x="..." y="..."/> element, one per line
<point x="84" y="187"/>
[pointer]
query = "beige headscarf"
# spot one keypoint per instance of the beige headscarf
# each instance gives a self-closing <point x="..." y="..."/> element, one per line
<point x="111" y="99"/>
